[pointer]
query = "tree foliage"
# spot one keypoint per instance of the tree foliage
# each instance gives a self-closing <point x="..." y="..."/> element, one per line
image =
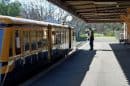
<point x="10" y="9"/>
<point x="44" y="11"/>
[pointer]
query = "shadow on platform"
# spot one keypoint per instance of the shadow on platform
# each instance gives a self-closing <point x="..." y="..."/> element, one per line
<point x="69" y="73"/>
<point x="103" y="50"/>
<point x="122" y="53"/>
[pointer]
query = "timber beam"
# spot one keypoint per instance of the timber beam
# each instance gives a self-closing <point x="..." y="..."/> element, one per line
<point x="97" y="10"/>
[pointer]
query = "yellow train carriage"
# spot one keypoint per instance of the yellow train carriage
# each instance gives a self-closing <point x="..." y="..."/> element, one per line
<point x="26" y="45"/>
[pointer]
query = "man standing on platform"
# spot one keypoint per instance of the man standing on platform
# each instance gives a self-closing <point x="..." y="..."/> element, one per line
<point x="91" y="38"/>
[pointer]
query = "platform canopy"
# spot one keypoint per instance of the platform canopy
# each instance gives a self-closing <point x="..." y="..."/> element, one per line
<point x="94" y="11"/>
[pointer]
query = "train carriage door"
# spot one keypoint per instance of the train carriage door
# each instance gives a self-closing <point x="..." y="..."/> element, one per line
<point x="5" y="64"/>
<point x="1" y="38"/>
<point x="17" y="42"/>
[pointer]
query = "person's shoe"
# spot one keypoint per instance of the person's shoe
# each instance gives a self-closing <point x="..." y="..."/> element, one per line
<point x="90" y="49"/>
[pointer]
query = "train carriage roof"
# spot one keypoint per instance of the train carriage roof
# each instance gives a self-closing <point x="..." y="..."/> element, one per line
<point x="23" y="21"/>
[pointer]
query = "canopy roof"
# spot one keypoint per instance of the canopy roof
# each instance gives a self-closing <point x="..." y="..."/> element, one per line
<point x="23" y="21"/>
<point x="94" y="11"/>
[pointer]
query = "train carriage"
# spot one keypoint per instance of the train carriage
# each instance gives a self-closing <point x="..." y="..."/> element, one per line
<point x="29" y="45"/>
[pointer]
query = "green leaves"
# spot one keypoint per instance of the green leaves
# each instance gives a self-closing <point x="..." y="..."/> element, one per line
<point x="10" y="9"/>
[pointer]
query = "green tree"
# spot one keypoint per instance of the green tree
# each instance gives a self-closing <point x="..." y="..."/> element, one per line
<point x="10" y="9"/>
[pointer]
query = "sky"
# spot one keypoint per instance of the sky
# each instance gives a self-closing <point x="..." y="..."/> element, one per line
<point x="46" y="4"/>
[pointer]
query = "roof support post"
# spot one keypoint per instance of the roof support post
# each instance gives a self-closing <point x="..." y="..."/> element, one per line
<point x="126" y="19"/>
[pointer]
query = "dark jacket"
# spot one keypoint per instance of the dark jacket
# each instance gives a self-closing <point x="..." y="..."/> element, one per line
<point x="91" y="36"/>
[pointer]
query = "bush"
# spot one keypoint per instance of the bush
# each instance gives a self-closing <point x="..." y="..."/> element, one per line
<point x="82" y="37"/>
<point x="109" y="34"/>
<point x="11" y="9"/>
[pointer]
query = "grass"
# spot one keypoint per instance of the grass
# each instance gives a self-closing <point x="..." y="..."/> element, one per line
<point x="98" y="35"/>
<point x="102" y="35"/>
<point x="83" y="35"/>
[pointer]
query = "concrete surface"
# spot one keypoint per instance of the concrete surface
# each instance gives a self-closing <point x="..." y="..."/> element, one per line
<point x="100" y="67"/>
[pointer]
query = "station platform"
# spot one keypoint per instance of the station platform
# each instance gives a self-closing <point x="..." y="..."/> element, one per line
<point x="107" y="65"/>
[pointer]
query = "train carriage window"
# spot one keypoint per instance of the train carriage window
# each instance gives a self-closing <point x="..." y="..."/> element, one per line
<point x="44" y="38"/>
<point x="11" y="46"/>
<point x="40" y="39"/>
<point x="62" y="37"/>
<point x="17" y="42"/>
<point x="1" y="38"/>
<point x="33" y="40"/>
<point x="54" y="37"/>
<point x="58" y="37"/>
<point x="45" y="34"/>
<point x="73" y="35"/>
<point x="26" y="40"/>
